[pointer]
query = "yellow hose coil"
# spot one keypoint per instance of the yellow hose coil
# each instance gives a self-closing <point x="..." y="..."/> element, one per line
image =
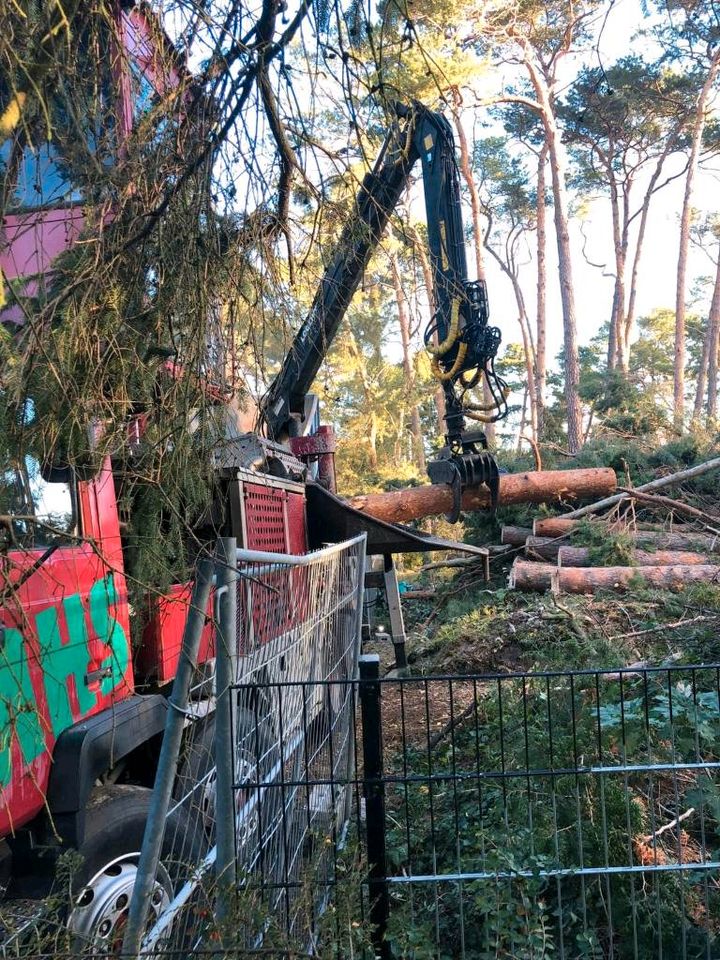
<point x="439" y="374"/>
<point x="442" y="348"/>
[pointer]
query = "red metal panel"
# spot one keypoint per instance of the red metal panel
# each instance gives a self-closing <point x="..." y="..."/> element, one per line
<point x="162" y="637"/>
<point x="66" y="650"/>
<point x="265" y="517"/>
<point x="297" y="532"/>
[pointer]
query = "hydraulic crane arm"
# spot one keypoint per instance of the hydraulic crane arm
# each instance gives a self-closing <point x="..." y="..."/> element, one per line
<point x="462" y="345"/>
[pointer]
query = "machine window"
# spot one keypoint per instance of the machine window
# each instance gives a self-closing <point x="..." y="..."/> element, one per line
<point x="41" y="512"/>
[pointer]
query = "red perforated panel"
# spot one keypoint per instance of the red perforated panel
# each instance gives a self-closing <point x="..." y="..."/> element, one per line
<point x="265" y="518"/>
<point x="274" y="519"/>
<point x="297" y="533"/>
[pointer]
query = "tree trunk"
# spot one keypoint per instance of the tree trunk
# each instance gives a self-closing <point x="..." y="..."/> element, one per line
<point x="618" y="290"/>
<point x="582" y="557"/>
<point x="514" y="536"/>
<point x="541" y="86"/>
<point x="644" y="212"/>
<point x="546" y="486"/>
<point x="707" y="374"/>
<point x="542" y="548"/>
<point x="540" y="339"/>
<point x="526" y="575"/>
<point x="624" y="329"/>
<point x="408" y="370"/>
<point x="421" y="251"/>
<point x="699" y="120"/>
<point x="646" y="535"/>
<point x="466" y="170"/>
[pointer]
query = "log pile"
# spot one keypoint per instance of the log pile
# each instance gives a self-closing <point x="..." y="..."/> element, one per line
<point x="651" y="554"/>
<point x="659" y="558"/>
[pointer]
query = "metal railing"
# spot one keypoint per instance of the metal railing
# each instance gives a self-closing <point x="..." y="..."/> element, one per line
<point x="570" y="815"/>
<point x="223" y="818"/>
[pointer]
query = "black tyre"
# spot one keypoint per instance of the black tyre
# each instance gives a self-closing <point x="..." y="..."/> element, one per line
<point x="114" y="829"/>
<point x="255" y="757"/>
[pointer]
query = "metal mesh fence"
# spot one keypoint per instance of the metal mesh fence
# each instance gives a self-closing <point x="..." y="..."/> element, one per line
<point x="558" y="814"/>
<point x="277" y="711"/>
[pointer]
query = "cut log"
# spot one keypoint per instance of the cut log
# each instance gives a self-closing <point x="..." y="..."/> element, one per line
<point x="561" y="526"/>
<point x="528" y="576"/>
<point x="514" y="536"/>
<point x="592" y="579"/>
<point x="543" y="548"/>
<point x="582" y="557"/>
<point x="546" y="486"/>
<point x="645" y="535"/>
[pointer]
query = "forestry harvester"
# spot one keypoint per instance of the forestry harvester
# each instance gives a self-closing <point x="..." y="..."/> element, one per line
<point x="81" y="713"/>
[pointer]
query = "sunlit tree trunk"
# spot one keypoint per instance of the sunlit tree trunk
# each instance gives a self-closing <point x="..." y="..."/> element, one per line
<point x="698" y="126"/>
<point x="707" y="373"/>
<point x="542" y="88"/>
<point x="540" y="323"/>
<point x="421" y="251"/>
<point x="408" y="370"/>
<point x="475" y="207"/>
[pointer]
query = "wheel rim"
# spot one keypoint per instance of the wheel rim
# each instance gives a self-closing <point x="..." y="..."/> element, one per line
<point x="100" y="913"/>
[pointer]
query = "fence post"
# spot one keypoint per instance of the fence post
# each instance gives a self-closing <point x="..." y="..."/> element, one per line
<point x="167" y="762"/>
<point x="226" y="676"/>
<point x="374" y="792"/>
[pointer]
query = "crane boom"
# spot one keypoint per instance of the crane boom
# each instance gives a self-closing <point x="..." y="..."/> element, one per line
<point x="462" y="344"/>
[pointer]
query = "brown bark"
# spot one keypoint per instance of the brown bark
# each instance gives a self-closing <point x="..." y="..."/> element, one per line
<point x="540" y="323"/>
<point x="582" y="557"/>
<point x="590" y="580"/>
<point x="542" y="88"/>
<point x="707" y="374"/>
<point x="699" y="120"/>
<point x="561" y="526"/>
<point x="526" y="576"/>
<point x="642" y="537"/>
<point x="514" y="536"/>
<point x="409" y="372"/>
<point x="541" y="548"/>
<point x="546" y="486"/>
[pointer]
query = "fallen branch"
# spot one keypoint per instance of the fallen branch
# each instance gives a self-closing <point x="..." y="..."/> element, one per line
<point x="659" y="484"/>
<point x="451" y="725"/>
<point x="677" y="625"/>
<point x="669" y="504"/>
<point x="669" y="826"/>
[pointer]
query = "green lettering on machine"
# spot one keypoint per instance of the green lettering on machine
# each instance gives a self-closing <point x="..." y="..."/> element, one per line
<point x="61" y="663"/>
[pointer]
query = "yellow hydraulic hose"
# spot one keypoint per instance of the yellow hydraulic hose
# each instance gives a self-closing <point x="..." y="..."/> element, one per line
<point x="439" y="374"/>
<point x="442" y="348"/>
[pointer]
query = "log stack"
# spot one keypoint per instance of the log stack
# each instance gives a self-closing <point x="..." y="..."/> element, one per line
<point x="659" y="558"/>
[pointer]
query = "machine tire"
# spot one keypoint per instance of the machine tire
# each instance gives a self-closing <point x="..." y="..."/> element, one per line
<point x="199" y="760"/>
<point x="114" y="827"/>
